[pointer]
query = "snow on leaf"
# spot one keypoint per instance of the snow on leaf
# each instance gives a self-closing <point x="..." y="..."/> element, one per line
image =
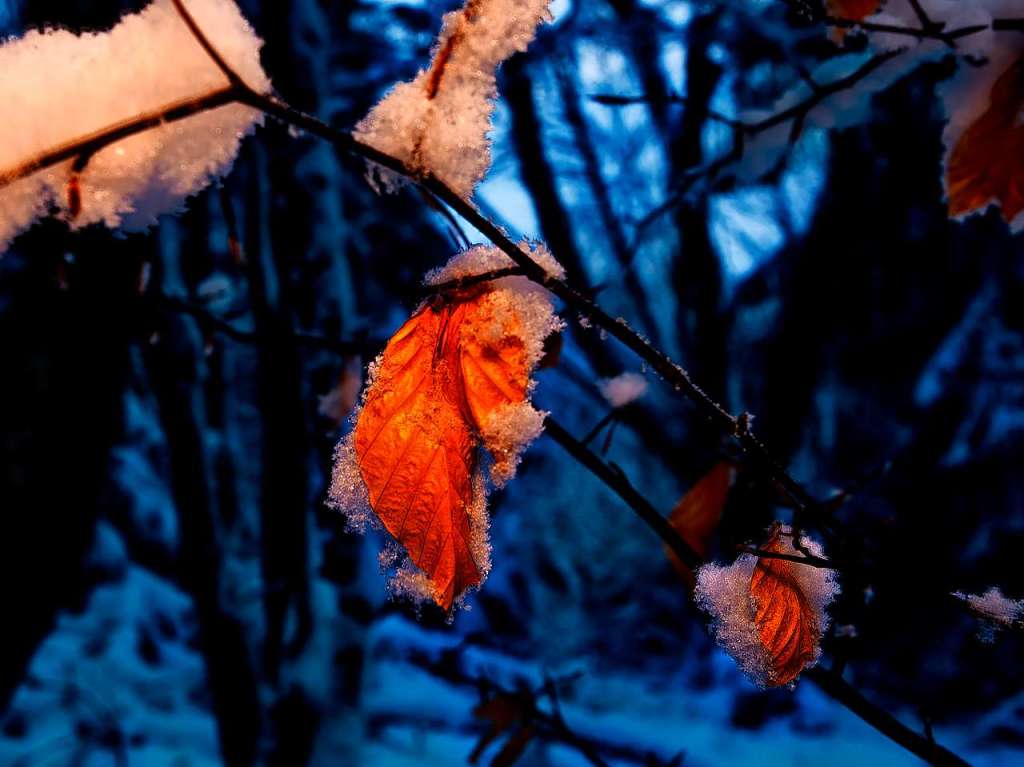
<point x="769" y="614"/>
<point x="696" y="515"/>
<point x="438" y="122"/>
<point x="454" y="379"/>
<point x="145" y="63"/>
<point x="986" y="164"/>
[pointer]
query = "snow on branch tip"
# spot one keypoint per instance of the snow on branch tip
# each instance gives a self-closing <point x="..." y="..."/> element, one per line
<point x="438" y="122"/>
<point x="59" y="88"/>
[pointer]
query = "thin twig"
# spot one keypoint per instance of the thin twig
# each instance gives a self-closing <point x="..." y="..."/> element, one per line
<point x="211" y="51"/>
<point x="472" y="280"/>
<point x="835" y="686"/>
<point x="804" y="559"/>
<point x="94" y="142"/>
<point x="208" y="320"/>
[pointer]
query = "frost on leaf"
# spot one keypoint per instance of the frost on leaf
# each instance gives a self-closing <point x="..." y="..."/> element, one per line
<point x="985" y="165"/>
<point x="769" y="614"/>
<point x="454" y="379"/>
<point x="996" y="611"/>
<point x="438" y="122"/>
<point x="147" y="62"/>
<point x="696" y="515"/>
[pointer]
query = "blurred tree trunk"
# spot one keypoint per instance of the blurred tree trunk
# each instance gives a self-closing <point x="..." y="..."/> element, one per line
<point x="66" y="359"/>
<point x="176" y="369"/>
<point x="697" y="276"/>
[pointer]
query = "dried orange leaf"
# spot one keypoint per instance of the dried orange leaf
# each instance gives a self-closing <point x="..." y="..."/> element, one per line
<point x="415" y="451"/>
<point x="986" y="164"/>
<point x="696" y="515"/>
<point x="851" y="10"/>
<point x="502" y="711"/>
<point x="788" y="626"/>
<point x="854" y="10"/>
<point x="451" y="383"/>
<point x="514" y="747"/>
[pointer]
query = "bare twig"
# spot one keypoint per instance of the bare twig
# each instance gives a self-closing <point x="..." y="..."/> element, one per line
<point x="208" y="320"/>
<point x="207" y="46"/>
<point x="471" y="280"/>
<point x="835" y="686"/>
<point x="805" y="559"/>
<point x="743" y="131"/>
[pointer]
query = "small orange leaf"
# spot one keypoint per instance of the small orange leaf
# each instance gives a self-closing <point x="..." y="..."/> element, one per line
<point x="986" y="163"/>
<point x="854" y="10"/>
<point x="502" y="712"/>
<point x="851" y="10"/>
<point x="787" y="624"/>
<point x="696" y="515"/>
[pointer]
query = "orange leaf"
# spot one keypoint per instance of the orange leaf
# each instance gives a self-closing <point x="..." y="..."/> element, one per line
<point x="854" y="10"/>
<point x="786" y="623"/>
<point x="696" y="515"/>
<point x="494" y="368"/>
<point x="987" y="162"/>
<point x="443" y="382"/>
<point x="502" y="711"/>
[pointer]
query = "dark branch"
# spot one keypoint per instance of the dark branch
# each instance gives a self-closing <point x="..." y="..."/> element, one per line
<point x="806" y="559"/>
<point x="472" y="280"/>
<point x="211" y="322"/>
<point x="207" y="46"/>
<point x="835" y="686"/>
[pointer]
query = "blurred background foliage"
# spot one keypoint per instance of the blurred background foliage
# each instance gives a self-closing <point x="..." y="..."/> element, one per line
<point x="174" y="590"/>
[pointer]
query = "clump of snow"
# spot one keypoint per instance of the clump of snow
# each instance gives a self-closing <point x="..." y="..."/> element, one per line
<point x="724" y="593"/>
<point x="348" y="491"/>
<point x="438" y="122"/>
<point x="58" y="87"/>
<point x="623" y="389"/>
<point x="506" y="433"/>
<point x="997" y="612"/>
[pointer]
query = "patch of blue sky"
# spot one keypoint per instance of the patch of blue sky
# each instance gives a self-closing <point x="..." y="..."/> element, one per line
<point x="745" y="231"/>
<point x="750" y="225"/>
